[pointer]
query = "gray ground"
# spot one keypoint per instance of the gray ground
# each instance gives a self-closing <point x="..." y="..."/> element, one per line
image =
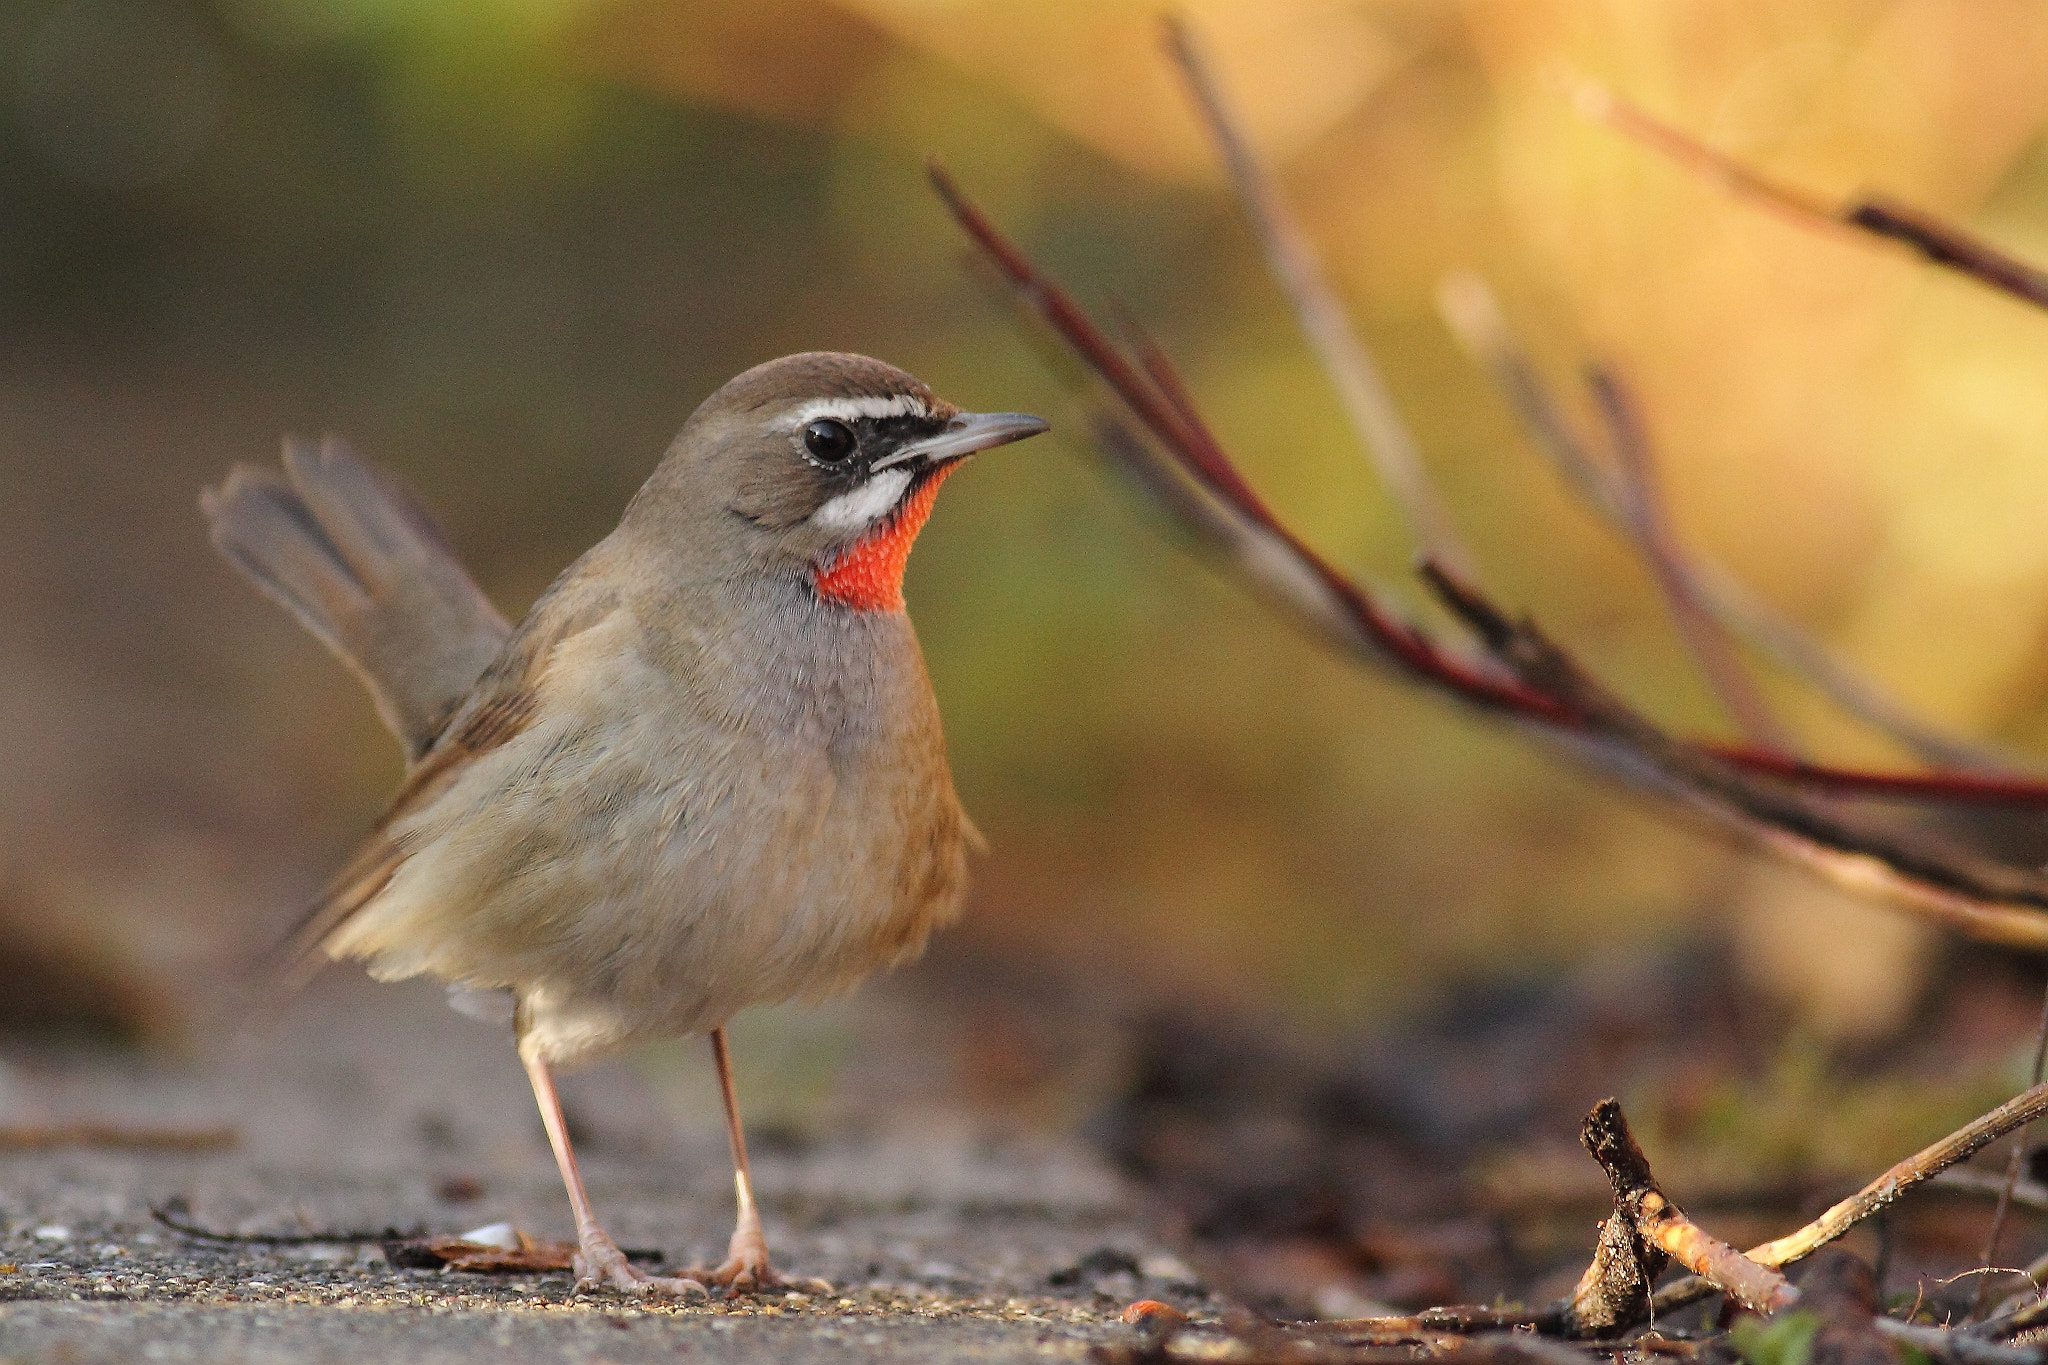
<point x="941" y="1229"/>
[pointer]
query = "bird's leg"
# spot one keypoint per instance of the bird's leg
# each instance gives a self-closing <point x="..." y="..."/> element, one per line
<point x="745" y="1268"/>
<point x="599" y="1262"/>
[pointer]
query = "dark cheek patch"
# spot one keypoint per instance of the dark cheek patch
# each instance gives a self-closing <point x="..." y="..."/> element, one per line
<point x="868" y="575"/>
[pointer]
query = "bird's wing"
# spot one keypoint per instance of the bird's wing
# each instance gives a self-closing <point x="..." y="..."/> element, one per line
<point x="343" y="547"/>
<point x="502" y="705"/>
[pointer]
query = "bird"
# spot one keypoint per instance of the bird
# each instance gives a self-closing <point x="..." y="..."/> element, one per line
<point x="705" y="771"/>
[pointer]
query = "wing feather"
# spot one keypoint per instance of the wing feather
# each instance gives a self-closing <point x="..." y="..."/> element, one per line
<point x="504" y="703"/>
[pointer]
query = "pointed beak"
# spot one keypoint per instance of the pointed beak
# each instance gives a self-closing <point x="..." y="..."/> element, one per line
<point x="965" y="434"/>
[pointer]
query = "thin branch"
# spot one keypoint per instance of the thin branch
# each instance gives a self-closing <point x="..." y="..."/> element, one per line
<point x="1292" y="259"/>
<point x="1456" y="1320"/>
<point x="1916" y="1170"/>
<point x="1928" y="236"/>
<point x="1764" y="796"/>
<point x="2024" y="1310"/>
<point x="1345" y="613"/>
<point x="1916" y="869"/>
<point x="1650" y="528"/>
<point x="1468" y="308"/>
<point x="31" y="1137"/>
<point x="1959" y="1146"/>
<point x="1644" y="1230"/>
<point x="2026" y="1194"/>
<point x="1959" y="1347"/>
<point x="171" y="1214"/>
<point x="2012" y="1165"/>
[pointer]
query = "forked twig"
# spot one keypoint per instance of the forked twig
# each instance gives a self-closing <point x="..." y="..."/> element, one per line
<point x="1985" y="898"/>
<point x="1347" y="614"/>
<point x="1959" y="1146"/>
<point x="1650" y="528"/>
<point x="1469" y="309"/>
<point x="1760" y="794"/>
<point x="1645" y="1227"/>
<point x="1644" y="1230"/>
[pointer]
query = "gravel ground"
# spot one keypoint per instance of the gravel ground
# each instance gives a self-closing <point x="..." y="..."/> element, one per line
<point x="945" y="1237"/>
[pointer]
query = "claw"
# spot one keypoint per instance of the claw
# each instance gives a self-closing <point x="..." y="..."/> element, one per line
<point x="601" y="1265"/>
<point x="745" y="1270"/>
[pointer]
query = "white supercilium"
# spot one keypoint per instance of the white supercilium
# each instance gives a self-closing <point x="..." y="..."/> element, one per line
<point x="853" y="409"/>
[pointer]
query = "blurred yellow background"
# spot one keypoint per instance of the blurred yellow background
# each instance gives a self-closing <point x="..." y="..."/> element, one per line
<point x="506" y="245"/>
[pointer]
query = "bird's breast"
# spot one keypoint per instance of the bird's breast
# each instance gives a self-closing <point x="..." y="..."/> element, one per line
<point x="691" y="825"/>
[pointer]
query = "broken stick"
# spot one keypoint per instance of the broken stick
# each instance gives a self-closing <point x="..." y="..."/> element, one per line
<point x="1644" y="1232"/>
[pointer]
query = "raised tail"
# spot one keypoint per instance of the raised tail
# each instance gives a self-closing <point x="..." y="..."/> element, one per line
<point x="340" y="545"/>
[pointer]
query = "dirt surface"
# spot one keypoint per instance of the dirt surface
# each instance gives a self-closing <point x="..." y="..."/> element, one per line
<point x="371" y="1108"/>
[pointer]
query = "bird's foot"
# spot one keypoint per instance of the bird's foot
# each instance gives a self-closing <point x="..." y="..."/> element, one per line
<point x="600" y="1264"/>
<point x="745" y="1270"/>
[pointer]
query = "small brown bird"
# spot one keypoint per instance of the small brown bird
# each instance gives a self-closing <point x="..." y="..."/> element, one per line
<point x="705" y="772"/>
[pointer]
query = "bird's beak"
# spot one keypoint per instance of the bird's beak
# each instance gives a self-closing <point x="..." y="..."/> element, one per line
<point x="965" y="434"/>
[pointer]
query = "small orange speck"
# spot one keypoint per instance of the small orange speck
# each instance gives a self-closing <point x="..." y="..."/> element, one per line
<point x="1153" y="1313"/>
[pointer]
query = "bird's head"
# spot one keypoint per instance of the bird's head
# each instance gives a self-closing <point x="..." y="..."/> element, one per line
<point x="826" y="461"/>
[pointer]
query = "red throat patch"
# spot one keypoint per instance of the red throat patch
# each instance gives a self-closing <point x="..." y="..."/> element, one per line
<point x="868" y="574"/>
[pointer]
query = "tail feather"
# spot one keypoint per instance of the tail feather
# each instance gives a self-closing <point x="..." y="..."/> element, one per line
<point x="362" y="565"/>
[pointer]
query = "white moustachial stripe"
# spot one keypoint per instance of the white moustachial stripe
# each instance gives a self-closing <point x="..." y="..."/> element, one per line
<point x="861" y="507"/>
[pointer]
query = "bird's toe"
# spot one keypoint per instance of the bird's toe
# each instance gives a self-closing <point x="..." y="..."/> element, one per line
<point x="600" y="1264"/>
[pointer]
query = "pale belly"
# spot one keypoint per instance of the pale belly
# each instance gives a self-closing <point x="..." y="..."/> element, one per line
<point x="628" y="879"/>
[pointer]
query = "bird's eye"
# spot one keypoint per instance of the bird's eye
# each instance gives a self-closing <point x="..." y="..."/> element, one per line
<point x="829" y="441"/>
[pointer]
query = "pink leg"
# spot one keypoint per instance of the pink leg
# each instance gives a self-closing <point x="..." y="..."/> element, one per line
<point x="745" y="1268"/>
<point x="599" y="1262"/>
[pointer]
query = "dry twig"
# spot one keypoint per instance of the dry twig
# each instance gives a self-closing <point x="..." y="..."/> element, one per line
<point x="530" y="1257"/>
<point x="124" y="1137"/>
<point x="1645" y="1230"/>
<point x="1917" y="1169"/>
<point x="1940" y="243"/>
<point x="1235" y="520"/>
<point x="2010" y="1185"/>
<point x="1650" y="529"/>
<point x="1474" y="318"/>
<point x="172" y="1214"/>
<point x="1292" y="260"/>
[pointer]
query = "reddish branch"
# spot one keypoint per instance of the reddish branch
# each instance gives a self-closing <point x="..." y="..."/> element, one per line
<point x="1468" y="307"/>
<point x="1988" y="899"/>
<point x="1762" y="795"/>
<point x="1353" y="616"/>
<point x="1164" y="415"/>
<point x="1292" y="261"/>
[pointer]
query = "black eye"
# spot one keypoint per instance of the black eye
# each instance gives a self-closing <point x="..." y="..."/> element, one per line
<point x="829" y="440"/>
